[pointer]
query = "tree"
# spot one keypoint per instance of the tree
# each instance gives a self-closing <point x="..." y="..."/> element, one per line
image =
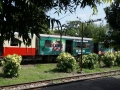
<point x="71" y="28"/>
<point x="25" y="16"/>
<point x="113" y="15"/>
<point x="91" y="30"/>
<point x="99" y="33"/>
<point x="113" y="19"/>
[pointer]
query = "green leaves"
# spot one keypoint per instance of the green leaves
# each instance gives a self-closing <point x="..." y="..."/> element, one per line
<point x="24" y="17"/>
<point x="29" y="16"/>
<point x="53" y="21"/>
<point x="117" y="55"/>
<point x="107" y="1"/>
<point x="113" y="11"/>
<point x="11" y="65"/>
<point x="108" y="59"/>
<point x="66" y="62"/>
<point x="90" y="60"/>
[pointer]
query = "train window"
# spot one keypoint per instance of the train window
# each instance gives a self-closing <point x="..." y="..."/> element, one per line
<point x="14" y="42"/>
<point x="48" y="43"/>
<point x="84" y="45"/>
<point x="87" y="45"/>
<point x="78" y="44"/>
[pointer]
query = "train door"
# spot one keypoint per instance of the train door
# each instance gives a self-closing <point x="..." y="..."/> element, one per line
<point x="1" y="50"/>
<point x="69" y="46"/>
<point x="37" y="46"/>
<point x="1" y="47"/>
<point x="96" y="48"/>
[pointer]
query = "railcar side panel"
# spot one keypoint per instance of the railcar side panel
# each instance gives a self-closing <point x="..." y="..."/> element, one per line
<point x="103" y="50"/>
<point x="13" y="47"/>
<point x="19" y="50"/>
<point x="51" y="46"/>
<point x="86" y="48"/>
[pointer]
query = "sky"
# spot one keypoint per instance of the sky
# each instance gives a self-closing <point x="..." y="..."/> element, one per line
<point x="83" y="14"/>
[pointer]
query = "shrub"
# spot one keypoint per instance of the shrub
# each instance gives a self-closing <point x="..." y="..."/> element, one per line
<point x="66" y="62"/>
<point x="11" y="65"/>
<point x="89" y="61"/>
<point x="117" y="55"/>
<point x="108" y="59"/>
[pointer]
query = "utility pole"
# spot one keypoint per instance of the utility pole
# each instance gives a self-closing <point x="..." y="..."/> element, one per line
<point x="80" y="62"/>
<point x="81" y="48"/>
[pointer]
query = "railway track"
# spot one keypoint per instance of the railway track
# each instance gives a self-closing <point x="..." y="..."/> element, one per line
<point x="58" y="81"/>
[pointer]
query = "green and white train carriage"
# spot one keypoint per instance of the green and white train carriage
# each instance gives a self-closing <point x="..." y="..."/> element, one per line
<point x="50" y="46"/>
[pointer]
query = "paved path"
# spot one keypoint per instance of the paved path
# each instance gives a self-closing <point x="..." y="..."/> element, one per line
<point x="110" y="83"/>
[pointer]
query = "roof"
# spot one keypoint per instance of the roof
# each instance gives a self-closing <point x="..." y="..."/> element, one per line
<point x="58" y="36"/>
<point x="67" y="37"/>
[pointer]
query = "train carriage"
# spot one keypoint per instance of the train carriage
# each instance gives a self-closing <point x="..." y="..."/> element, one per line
<point x="52" y="45"/>
<point x="48" y="47"/>
<point x="13" y="47"/>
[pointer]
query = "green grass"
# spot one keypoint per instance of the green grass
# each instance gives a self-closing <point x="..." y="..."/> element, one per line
<point x="101" y="69"/>
<point x="43" y="72"/>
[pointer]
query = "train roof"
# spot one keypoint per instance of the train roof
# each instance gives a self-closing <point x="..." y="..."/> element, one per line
<point x="58" y="36"/>
<point x="66" y="37"/>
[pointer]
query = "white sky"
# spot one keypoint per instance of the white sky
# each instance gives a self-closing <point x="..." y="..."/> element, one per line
<point x="82" y="14"/>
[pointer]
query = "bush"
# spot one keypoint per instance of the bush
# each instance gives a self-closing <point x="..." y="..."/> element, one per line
<point x="66" y="62"/>
<point x="89" y="61"/>
<point x="108" y="59"/>
<point x="117" y="55"/>
<point x="11" y="65"/>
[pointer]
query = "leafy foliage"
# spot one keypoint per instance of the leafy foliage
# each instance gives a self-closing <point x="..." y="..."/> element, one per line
<point x="89" y="61"/>
<point x="117" y="55"/>
<point x="71" y="28"/>
<point x="99" y="33"/>
<point x="11" y="65"/>
<point x="29" y="16"/>
<point x="113" y="11"/>
<point x="66" y="62"/>
<point x="91" y="30"/>
<point x="113" y="18"/>
<point x="108" y="59"/>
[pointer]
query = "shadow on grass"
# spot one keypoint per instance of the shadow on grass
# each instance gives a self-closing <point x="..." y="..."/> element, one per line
<point x="6" y="77"/>
<point x="108" y="66"/>
<point x="55" y="70"/>
<point x="1" y="75"/>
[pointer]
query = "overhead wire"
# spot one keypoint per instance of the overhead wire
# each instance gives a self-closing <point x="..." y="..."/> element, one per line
<point x="64" y="16"/>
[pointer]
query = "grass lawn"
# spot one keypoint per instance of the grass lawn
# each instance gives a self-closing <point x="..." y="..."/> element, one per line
<point x="43" y="72"/>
